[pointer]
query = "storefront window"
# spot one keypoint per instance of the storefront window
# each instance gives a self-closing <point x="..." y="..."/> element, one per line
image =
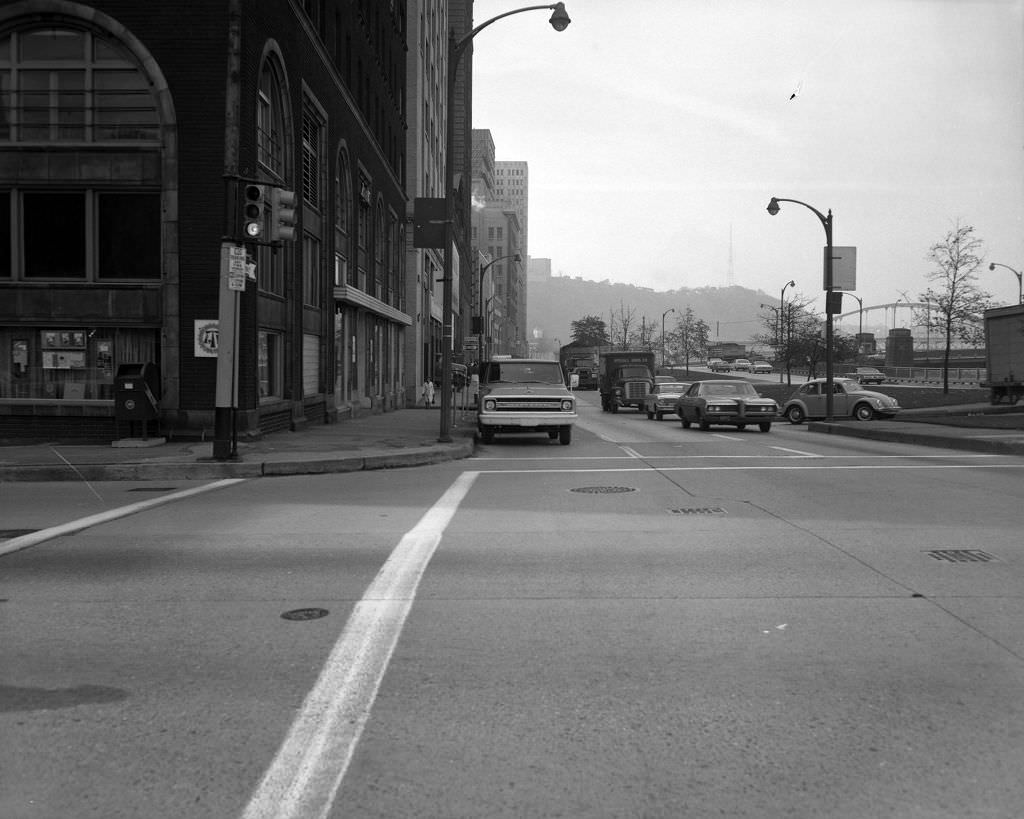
<point x="70" y="363"/>
<point x="269" y="364"/>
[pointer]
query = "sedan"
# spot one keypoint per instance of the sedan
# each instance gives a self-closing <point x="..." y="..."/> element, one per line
<point x="849" y="400"/>
<point x="761" y="367"/>
<point x="742" y="365"/>
<point x="717" y="365"/>
<point x="731" y="403"/>
<point x="662" y="398"/>
<point x="868" y="375"/>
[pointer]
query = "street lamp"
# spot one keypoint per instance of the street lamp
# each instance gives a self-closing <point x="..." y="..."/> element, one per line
<point x="480" y="300"/>
<point x="1020" y="279"/>
<point x="826" y="222"/>
<point x="781" y="322"/>
<point x="456" y="48"/>
<point x="670" y="310"/>
<point x="860" y="323"/>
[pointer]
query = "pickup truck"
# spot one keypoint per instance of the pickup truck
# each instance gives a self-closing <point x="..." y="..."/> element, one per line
<point x="520" y="395"/>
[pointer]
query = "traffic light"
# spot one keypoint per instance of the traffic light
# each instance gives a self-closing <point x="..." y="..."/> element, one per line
<point x="282" y="215"/>
<point x="252" y="212"/>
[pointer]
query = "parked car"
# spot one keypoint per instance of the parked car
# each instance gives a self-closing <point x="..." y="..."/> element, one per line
<point x="663" y="379"/>
<point x="742" y="365"/>
<point x="868" y="375"/>
<point x="718" y="365"/>
<point x="730" y="403"/>
<point x="760" y="367"/>
<point x="662" y="398"/>
<point x="849" y="400"/>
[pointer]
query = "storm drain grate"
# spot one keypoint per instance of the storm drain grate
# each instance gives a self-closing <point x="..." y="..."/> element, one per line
<point x="698" y="510"/>
<point x="7" y="534"/>
<point x="603" y="490"/>
<point x="961" y="555"/>
<point x="305" y="614"/>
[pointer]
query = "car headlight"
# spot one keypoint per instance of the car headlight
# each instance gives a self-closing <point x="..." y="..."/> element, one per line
<point x="715" y="407"/>
<point x="567" y="405"/>
<point x="490" y="405"/>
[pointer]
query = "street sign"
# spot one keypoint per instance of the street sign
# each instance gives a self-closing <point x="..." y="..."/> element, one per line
<point x="844" y="268"/>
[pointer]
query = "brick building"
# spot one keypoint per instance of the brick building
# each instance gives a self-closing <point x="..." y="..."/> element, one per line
<point x="129" y="134"/>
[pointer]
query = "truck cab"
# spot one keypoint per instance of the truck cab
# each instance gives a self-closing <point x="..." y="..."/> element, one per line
<point x="523" y="395"/>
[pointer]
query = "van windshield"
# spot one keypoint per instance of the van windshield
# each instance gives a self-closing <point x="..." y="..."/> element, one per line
<point x="525" y="372"/>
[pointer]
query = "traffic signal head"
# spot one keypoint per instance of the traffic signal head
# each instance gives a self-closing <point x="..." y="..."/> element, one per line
<point x="282" y="215"/>
<point x="252" y="211"/>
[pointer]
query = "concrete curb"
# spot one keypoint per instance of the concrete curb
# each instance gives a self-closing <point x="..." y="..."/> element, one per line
<point x="214" y="470"/>
<point x="918" y="437"/>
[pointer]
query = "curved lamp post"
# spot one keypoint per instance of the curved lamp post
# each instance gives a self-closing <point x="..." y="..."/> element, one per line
<point x="860" y="322"/>
<point x="782" y="325"/>
<point x="480" y="294"/>
<point x="456" y="48"/>
<point x="670" y="310"/>
<point x="1020" y="279"/>
<point x="826" y="222"/>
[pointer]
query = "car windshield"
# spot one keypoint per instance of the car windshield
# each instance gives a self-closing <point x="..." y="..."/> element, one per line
<point x="634" y="372"/>
<point x="868" y="371"/>
<point x="525" y="372"/>
<point x="728" y="388"/>
<point x="671" y="387"/>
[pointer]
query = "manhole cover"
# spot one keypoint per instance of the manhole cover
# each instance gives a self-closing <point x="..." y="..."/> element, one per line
<point x="305" y="614"/>
<point x="699" y="510"/>
<point x="961" y="555"/>
<point x="603" y="490"/>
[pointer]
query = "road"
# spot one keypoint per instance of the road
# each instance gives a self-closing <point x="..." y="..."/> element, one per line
<point x="650" y="622"/>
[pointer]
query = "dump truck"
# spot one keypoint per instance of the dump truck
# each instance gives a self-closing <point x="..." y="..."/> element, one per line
<point x="1004" y="353"/>
<point x="626" y="377"/>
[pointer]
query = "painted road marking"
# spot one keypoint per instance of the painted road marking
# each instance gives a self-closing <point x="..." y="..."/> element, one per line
<point x="797" y="452"/>
<point x="751" y="468"/>
<point x="25" y="541"/>
<point x="307" y="771"/>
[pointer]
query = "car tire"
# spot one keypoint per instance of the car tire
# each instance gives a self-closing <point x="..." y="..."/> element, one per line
<point x="650" y="416"/>
<point x="658" y="416"/>
<point x="765" y="426"/>
<point x="795" y="415"/>
<point x="486" y="435"/>
<point x="565" y="435"/>
<point x="863" y="412"/>
<point x="684" y="421"/>
<point x="703" y="424"/>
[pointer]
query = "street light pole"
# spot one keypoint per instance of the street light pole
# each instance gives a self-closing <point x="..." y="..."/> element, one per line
<point x="670" y="310"/>
<point x="1020" y="279"/>
<point x="860" y="322"/>
<point x="826" y="222"/>
<point x="480" y="300"/>
<point x="781" y="322"/>
<point x="456" y="48"/>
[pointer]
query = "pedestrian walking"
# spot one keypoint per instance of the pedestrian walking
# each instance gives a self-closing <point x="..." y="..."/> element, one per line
<point x="428" y="393"/>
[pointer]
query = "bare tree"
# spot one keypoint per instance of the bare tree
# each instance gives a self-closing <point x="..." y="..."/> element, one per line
<point x="690" y="336"/>
<point x="622" y="332"/>
<point x="956" y="302"/>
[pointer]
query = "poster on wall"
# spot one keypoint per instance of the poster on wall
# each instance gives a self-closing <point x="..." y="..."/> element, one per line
<point x="207" y="333"/>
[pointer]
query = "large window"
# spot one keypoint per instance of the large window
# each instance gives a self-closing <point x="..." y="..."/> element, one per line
<point x="80" y="235"/>
<point x="269" y="365"/>
<point x="68" y="85"/>
<point x="270" y="136"/>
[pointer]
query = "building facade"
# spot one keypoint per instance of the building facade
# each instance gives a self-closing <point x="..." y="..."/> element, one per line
<point x="141" y="149"/>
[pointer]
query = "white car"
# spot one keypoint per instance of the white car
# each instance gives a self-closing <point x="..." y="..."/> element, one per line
<point x="742" y="365"/>
<point x="661" y="400"/>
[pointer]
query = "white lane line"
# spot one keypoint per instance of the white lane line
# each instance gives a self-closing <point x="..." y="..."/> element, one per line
<point x="749" y="468"/>
<point x="722" y="437"/>
<point x="797" y="452"/>
<point x="35" y="538"/>
<point x="632" y="453"/>
<point x="307" y="771"/>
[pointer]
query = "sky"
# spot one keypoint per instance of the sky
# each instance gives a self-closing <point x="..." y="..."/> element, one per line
<point x="656" y="131"/>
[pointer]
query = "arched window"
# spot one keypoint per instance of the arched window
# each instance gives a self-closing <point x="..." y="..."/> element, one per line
<point x="270" y="133"/>
<point x="61" y="84"/>
<point x="343" y="272"/>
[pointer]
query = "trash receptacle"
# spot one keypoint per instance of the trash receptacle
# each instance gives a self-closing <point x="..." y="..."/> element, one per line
<point x="137" y="392"/>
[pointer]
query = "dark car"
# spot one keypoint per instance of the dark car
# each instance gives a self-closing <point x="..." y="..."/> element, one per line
<point x="868" y="375"/>
<point x="849" y="400"/>
<point x="730" y="403"/>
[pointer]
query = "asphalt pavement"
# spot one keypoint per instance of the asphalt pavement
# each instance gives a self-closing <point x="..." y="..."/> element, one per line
<point x="411" y="437"/>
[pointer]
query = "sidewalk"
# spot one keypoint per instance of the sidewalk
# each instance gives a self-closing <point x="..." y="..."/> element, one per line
<point x="407" y="437"/>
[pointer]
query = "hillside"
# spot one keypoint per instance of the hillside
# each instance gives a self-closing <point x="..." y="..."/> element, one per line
<point x="554" y="303"/>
